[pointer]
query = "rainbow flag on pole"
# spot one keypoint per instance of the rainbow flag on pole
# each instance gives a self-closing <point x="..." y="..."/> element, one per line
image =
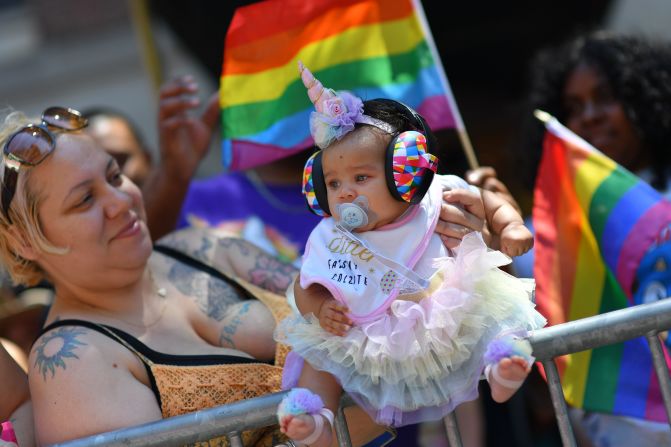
<point x="373" y="48"/>
<point x="595" y="221"/>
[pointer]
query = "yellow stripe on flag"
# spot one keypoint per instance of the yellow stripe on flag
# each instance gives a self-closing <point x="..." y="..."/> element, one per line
<point x="590" y="272"/>
<point x="574" y="379"/>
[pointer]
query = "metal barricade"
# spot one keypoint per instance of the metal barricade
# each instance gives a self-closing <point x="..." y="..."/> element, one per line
<point x="580" y="335"/>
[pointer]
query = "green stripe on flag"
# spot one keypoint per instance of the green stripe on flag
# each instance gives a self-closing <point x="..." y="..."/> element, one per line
<point x="604" y="367"/>
<point x="606" y="196"/>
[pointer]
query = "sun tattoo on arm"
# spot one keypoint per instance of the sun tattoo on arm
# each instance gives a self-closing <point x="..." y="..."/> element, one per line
<point x="55" y="347"/>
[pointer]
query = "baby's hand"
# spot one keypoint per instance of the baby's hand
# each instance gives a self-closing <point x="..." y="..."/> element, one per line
<point x="333" y="317"/>
<point x="516" y="239"/>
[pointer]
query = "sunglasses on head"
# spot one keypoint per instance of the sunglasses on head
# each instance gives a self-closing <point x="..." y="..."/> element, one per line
<point x="31" y="144"/>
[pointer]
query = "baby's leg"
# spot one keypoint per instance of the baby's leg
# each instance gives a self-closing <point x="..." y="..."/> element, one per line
<point x="506" y="376"/>
<point x="302" y="426"/>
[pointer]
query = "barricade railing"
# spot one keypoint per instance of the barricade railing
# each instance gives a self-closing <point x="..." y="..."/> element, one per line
<point x="580" y="335"/>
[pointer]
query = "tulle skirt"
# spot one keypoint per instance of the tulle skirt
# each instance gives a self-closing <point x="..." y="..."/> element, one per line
<point x="420" y="360"/>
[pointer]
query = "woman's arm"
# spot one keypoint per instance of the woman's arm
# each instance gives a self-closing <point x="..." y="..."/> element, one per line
<point x="14" y="385"/>
<point x="254" y="265"/>
<point x="83" y="383"/>
<point x="461" y="212"/>
<point x="22" y="423"/>
<point x="234" y="256"/>
<point x="232" y="320"/>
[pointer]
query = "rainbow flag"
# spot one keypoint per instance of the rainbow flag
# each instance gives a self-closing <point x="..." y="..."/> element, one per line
<point x="595" y="221"/>
<point x="373" y="48"/>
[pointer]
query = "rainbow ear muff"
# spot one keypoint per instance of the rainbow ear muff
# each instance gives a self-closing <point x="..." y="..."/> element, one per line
<point x="314" y="187"/>
<point x="409" y="166"/>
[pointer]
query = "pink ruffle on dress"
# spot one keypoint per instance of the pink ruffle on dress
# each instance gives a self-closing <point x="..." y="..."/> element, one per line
<point x="422" y="358"/>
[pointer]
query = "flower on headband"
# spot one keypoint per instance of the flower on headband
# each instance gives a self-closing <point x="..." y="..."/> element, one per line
<point x="341" y="113"/>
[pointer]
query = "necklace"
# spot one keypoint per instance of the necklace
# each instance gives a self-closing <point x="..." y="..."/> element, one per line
<point x="264" y="192"/>
<point x="161" y="293"/>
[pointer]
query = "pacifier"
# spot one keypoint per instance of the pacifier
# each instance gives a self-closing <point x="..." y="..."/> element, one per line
<point x="354" y="214"/>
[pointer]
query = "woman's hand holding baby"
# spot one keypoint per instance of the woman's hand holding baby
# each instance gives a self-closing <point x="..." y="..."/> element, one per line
<point x="461" y="212"/>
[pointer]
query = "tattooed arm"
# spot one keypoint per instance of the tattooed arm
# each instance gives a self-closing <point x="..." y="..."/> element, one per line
<point x="239" y="323"/>
<point x="235" y="256"/>
<point x="14" y="384"/>
<point x="252" y="264"/>
<point x="83" y="383"/>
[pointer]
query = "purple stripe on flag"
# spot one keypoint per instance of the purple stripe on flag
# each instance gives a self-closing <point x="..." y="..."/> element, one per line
<point x="437" y="112"/>
<point x="633" y="379"/>
<point x="246" y="154"/>
<point x="641" y="235"/>
<point x="655" y="410"/>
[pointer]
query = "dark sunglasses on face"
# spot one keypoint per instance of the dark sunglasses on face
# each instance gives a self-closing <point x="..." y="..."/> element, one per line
<point x="30" y="145"/>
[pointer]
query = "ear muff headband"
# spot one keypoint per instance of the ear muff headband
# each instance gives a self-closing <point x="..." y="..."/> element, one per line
<point x="409" y="166"/>
<point x="409" y="163"/>
<point x="314" y="187"/>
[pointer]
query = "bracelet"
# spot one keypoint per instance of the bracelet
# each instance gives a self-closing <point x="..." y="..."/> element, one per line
<point x="510" y="384"/>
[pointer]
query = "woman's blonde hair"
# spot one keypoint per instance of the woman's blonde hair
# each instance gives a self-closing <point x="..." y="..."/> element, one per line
<point x="25" y="227"/>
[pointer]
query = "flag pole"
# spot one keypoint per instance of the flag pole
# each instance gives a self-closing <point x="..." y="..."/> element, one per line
<point x="461" y="129"/>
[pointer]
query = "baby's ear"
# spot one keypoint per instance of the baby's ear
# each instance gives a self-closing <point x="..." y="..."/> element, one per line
<point x="20" y="244"/>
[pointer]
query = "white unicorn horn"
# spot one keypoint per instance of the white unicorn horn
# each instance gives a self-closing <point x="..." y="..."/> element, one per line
<point x="316" y="91"/>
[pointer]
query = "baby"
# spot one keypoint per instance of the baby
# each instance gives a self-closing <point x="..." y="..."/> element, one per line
<point x="388" y="313"/>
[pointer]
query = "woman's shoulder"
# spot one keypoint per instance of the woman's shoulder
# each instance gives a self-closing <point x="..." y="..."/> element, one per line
<point x="82" y="382"/>
<point x="69" y="351"/>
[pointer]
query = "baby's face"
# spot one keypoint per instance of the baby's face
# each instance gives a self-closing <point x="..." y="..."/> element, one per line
<point x="354" y="166"/>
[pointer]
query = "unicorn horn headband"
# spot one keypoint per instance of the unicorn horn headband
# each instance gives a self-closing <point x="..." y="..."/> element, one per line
<point x="335" y="113"/>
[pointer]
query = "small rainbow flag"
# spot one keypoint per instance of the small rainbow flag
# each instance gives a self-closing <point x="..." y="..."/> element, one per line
<point x="373" y="48"/>
<point x="595" y="221"/>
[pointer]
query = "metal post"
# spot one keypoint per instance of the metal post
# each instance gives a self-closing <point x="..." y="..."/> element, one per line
<point x="234" y="439"/>
<point x="661" y="369"/>
<point x="601" y="330"/>
<point x="559" y="404"/>
<point x="342" y="432"/>
<point x="452" y="430"/>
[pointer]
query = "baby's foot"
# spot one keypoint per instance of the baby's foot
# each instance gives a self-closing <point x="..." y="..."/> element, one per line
<point x="304" y="427"/>
<point x="507" y="376"/>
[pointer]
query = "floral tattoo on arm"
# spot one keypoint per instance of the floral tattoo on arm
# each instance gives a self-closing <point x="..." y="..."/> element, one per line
<point x="272" y="274"/>
<point x="55" y="347"/>
<point x="266" y="271"/>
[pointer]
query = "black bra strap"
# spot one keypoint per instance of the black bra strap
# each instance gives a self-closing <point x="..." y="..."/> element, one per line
<point x="200" y="265"/>
<point x="131" y="343"/>
<point x="117" y="335"/>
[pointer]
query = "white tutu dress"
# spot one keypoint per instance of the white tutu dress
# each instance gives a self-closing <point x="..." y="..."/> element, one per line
<point x="413" y="355"/>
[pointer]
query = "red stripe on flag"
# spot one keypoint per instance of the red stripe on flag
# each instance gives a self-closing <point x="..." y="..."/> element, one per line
<point x="273" y="17"/>
<point x="556" y="240"/>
